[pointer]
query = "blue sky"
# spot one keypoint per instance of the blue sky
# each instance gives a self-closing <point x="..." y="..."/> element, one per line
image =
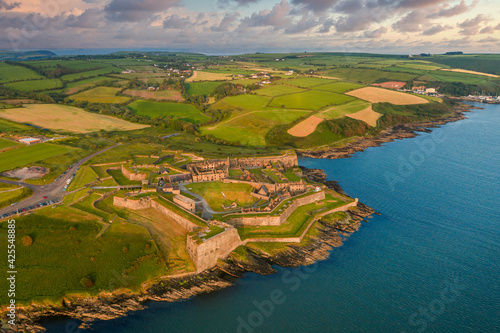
<point x="241" y="26"/>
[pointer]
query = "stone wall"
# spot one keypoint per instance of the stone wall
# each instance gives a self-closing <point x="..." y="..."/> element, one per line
<point x="183" y="222"/>
<point x="132" y="203"/>
<point x="206" y="253"/>
<point x="277" y="220"/>
<point x="133" y="175"/>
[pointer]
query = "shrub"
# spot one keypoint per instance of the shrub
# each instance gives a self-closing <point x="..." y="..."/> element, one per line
<point x="87" y="282"/>
<point x="27" y="240"/>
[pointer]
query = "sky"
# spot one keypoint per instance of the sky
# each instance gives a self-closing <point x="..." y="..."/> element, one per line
<point x="248" y="26"/>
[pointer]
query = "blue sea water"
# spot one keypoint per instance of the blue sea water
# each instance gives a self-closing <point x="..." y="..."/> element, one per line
<point x="429" y="263"/>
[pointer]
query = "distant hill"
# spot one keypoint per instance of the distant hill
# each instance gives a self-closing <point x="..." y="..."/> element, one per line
<point x="25" y="55"/>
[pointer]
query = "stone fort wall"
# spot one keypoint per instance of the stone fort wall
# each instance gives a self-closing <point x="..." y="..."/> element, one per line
<point x="133" y="175"/>
<point x="277" y="220"/>
<point x="206" y="254"/>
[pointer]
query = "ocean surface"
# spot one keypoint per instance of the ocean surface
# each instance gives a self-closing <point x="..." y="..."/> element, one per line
<point x="429" y="263"/>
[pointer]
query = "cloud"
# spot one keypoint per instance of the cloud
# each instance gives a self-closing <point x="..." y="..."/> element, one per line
<point x="418" y="3"/>
<point x="90" y="18"/>
<point x="137" y="10"/>
<point x="276" y="17"/>
<point x="176" y="22"/>
<point x="411" y="22"/>
<point x="446" y="11"/>
<point x="487" y="30"/>
<point x="315" y="5"/>
<point x="225" y="3"/>
<point x="226" y="22"/>
<point x="472" y="26"/>
<point x="8" y="6"/>
<point x="377" y="33"/>
<point x="349" y="6"/>
<point x="304" y="24"/>
<point x="436" y="29"/>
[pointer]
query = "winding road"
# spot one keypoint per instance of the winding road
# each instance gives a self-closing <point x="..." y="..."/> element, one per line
<point x="52" y="191"/>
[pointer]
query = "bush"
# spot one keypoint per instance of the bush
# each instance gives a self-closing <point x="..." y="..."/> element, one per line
<point x="87" y="282"/>
<point x="27" y="240"/>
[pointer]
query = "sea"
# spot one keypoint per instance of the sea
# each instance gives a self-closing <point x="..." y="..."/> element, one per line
<point x="430" y="262"/>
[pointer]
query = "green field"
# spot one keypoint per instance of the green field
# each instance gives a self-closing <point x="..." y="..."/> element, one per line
<point x="348" y="108"/>
<point x="10" y="73"/>
<point x="217" y="194"/>
<point x="251" y="128"/>
<point x="185" y="112"/>
<point x="277" y="90"/>
<point x="26" y="155"/>
<point x="369" y="75"/>
<point x="339" y="87"/>
<point x="309" y="100"/>
<point x="202" y="88"/>
<point x="65" y="250"/>
<point x="445" y="76"/>
<point x="305" y="82"/>
<point x="89" y="81"/>
<point x="100" y="95"/>
<point x="7" y="143"/>
<point x="248" y="102"/>
<point x="89" y="74"/>
<point x="84" y="176"/>
<point x="35" y="85"/>
<point x="8" y="197"/>
<point x="121" y="179"/>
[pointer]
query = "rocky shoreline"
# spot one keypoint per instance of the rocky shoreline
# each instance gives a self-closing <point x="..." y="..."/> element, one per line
<point x="106" y="306"/>
<point x="403" y="131"/>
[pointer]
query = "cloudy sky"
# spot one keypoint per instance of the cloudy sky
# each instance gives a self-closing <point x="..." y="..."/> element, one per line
<point x="240" y="26"/>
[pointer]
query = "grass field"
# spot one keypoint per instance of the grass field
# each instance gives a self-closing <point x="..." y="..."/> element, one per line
<point x="8" y="197"/>
<point x="251" y="128"/>
<point x="339" y="111"/>
<point x="65" y="250"/>
<point x="84" y="176"/>
<point x="309" y="100"/>
<point x="369" y="75"/>
<point x="295" y="224"/>
<point x="121" y="179"/>
<point x="35" y="85"/>
<point x="378" y="95"/>
<point x="76" y="86"/>
<point x="172" y="95"/>
<point x="305" y="127"/>
<point x="7" y="143"/>
<point x="338" y="87"/>
<point x="26" y="155"/>
<point x="305" y="82"/>
<point x="277" y="90"/>
<point x="208" y="76"/>
<point x="100" y="95"/>
<point x="367" y="115"/>
<point x="10" y="73"/>
<point x="66" y="119"/>
<point x="185" y="112"/>
<point x="218" y="194"/>
<point x="248" y="102"/>
<point x="89" y="74"/>
<point x="202" y="88"/>
<point x="470" y="72"/>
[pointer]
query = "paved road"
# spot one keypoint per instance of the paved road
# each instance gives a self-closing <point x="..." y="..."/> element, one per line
<point x="53" y="191"/>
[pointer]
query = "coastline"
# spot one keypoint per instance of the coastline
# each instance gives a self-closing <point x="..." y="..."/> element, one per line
<point x="397" y="132"/>
<point x="112" y="305"/>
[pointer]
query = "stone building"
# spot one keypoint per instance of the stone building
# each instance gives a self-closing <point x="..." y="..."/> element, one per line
<point x="185" y="202"/>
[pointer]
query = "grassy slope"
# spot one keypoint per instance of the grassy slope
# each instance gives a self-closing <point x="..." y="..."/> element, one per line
<point x="180" y="111"/>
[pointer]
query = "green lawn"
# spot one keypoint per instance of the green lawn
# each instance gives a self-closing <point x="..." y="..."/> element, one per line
<point x="65" y="250"/>
<point x="369" y="75"/>
<point x="305" y="82"/>
<point x="10" y="73"/>
<point x="100" y="95"/>
<point x="7" y="143"/>
<point x="295" y="224"/>
<point x="341" y="110"/>
<point x="202" y="88"/>
<point x="26" y="155"/>
<point x="309" y="100"/>
<point x="84" y="176"/>
<point x="218" y="194"/>
<point x="35" y="85"/>
<point x="92" y="73"/>
<point x="248" y="102"/>
<point x="185" y="112"/>
<point x="87" y="205"/>
<point x="277" y="90"/>
<point x="121" y="179"/>
<point x="250" y="129"/>
<point x="8" y="197"/>
<point x="339" y="87"/>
